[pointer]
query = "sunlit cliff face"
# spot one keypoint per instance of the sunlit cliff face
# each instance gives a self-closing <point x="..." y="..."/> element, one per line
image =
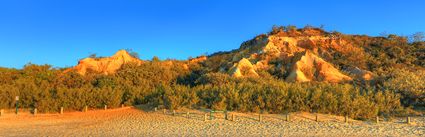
<point x="299" y="54"/>
<point x="107" y="65"/>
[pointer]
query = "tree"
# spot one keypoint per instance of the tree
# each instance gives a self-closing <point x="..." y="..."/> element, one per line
<point x="132" y="53"/>
<point x="291" y="28"/>
<point x="155" y="59"/>
<point x="276" y="29"/>
<point x="411" y="85"/>
<point x="418" y="37"/>
<point x="93" y="55"/>
<point x="384" y="34"/>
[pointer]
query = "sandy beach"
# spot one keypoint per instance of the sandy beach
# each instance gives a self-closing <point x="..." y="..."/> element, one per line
<point x="130" y="121"/>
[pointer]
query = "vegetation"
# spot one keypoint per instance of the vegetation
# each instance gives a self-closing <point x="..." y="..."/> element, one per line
<point x="48" y="89"/>
<point x="398" y="87"/>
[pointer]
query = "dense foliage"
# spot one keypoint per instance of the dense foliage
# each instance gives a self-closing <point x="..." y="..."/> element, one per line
<point x="174" y="84"/>
<point x="48" y="89"/>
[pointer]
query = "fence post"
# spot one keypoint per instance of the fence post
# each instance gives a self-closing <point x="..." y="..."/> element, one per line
<point x="35" y="111"/>
<point x="233" y="117"/>
<point x="225" y="115"/>
<point x="1" y="112"/>
<point x="346" y="119"/>
<point x="61" y="111"/>
<point x="408" y="120"/>
<point x="317" y="117"/>
<point x="164" y="111"/>
<point x="156" y="109"/>
<point x="85" y="108"/>
<point x="106" y="107"/>
<point x="17" y="104"/>
<point x="259" y="117"/>
<point x="287" y="117"/>
<point x="187" y="114"/>
<point x="122" y="105"/>
<point x="174" y="112"/>
<point x="205" y="116"/>
<point x="377" y="119"/>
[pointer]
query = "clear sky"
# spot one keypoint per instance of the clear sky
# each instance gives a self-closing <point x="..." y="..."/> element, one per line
<point x="60" y="32"/>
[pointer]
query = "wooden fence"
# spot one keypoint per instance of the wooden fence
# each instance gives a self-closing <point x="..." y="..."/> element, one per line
<point x="209" y="115"/>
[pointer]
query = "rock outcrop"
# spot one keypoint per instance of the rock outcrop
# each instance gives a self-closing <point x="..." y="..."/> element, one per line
<point x="243" y="68"/>
<point x="294" y="55"/>
<point x="303" y="55"/>
<point x="309" y="67"/>
<point x="361" y="74"/>
<point x="198" y="59"/>
<point x="107" y="65"/>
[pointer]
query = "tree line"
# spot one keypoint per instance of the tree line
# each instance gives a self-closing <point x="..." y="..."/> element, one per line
<point x="153" y="83"/>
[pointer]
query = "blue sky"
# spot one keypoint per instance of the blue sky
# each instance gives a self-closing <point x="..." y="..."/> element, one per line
<point x="60" y="32"/>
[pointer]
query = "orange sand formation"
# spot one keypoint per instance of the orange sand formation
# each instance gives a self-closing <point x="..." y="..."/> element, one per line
<point x="299" y="54"/>
<point x="108" y="65"/>
<point x="316" y="69"/>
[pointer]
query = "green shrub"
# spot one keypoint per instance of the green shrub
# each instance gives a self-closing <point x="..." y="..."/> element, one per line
<point x="154" y="84"/>
<point x="411" y="85"/>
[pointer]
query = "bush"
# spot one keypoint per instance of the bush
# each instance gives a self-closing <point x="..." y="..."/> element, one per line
<point x="411" y="85"/>
<point x="155" y="84"/>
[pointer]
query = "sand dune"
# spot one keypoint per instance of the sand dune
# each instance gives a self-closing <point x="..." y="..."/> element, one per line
<point x="139" y="122"/>
<point x="105" y="65"/>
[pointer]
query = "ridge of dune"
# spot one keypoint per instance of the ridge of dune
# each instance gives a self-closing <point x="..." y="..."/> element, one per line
<point x="106" y="65"/>
<point x="243" y="68"/>
<point x="299" y="54"/>
<point x="310" y="67"/>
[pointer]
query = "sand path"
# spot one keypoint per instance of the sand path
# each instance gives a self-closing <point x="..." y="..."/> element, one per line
<point x="137" y="122"/>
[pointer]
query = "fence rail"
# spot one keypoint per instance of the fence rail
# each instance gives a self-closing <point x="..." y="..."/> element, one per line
<point x="210" y="115"/>
<point x="232" y="116"/>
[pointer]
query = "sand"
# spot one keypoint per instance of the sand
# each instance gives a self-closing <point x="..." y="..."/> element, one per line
<point x="105" y="65"/>
<point x="132" y="121"/>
